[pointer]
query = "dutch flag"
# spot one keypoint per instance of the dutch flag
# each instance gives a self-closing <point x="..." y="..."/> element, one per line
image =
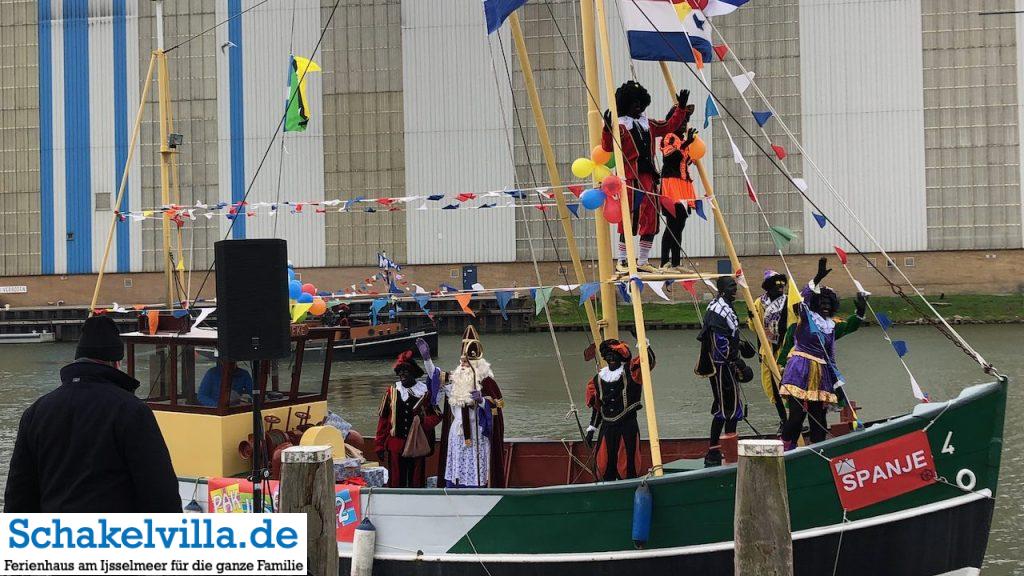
<point x="672" y="29"/>
<point x="497" y="11"/>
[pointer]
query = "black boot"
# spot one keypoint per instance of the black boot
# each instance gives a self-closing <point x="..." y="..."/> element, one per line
<point x="713" y="458"/>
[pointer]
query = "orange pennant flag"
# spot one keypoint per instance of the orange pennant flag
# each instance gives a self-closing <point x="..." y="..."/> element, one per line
<point x="152" y="321"/>
<point x="463" y="300"/>
<point x="698" y="60"/>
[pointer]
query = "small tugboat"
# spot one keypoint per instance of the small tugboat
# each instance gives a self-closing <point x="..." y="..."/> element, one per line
<point x="26" y="337"/>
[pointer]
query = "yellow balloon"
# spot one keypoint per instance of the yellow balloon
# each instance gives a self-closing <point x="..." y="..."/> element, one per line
<point x="601" y="172"/>
<point x="582" y="167"/>
<point x="697" y="148"/>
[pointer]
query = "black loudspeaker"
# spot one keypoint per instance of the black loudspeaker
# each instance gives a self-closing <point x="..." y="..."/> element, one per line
<point x="252" y="299"/>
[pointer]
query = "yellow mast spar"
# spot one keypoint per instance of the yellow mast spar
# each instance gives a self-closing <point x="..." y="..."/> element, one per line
<point x="166" y="151"/>
<point x="627" y="226"/>
<point x="549" y="160"/>
<point x="605" y="265"/>
<point x="723" y="231"/>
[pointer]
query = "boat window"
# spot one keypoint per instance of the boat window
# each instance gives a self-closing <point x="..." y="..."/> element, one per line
<point x="311" y="380"/>
<point x="155" y="371"/>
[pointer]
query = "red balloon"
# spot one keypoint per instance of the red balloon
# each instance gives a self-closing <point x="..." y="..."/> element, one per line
<point x="309" y="289"/>
<point x="612" y="185"/>
<point x="613" y="211"/>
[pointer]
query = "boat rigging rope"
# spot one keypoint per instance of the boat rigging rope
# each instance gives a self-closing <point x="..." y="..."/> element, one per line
<point x="270" y="145"/>
<point x="573" y="410"/>
<point x="941" y="324"/>
<point x="215" y="26"/>
<point x="281" y="152"/>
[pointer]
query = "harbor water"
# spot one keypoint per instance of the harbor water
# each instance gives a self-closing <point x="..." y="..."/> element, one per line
<point x="537" y="404"/>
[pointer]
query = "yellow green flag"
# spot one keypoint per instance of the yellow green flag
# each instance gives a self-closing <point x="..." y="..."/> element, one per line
<point x="297" y="111"/>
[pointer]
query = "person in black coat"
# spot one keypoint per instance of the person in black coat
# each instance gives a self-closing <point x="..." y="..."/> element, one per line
<point x="91" y="445"/>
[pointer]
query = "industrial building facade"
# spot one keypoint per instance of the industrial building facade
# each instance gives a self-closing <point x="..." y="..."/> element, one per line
<point x="909" y="107"/>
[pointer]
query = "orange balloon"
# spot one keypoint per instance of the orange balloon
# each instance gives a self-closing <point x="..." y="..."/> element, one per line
<point x="697" y="148"/>
<point x="600" y="156"/>
<point x="318" y="307"/>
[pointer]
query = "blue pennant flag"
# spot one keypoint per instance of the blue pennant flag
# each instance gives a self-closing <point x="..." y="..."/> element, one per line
<point x="422" y="300"/>
<point x="496" y="11"/>
<point x="179" y="313"/>
<point x="639" y="284"/>
<point x="491" y="205"/>
<point x="588" y="290"/>
<point x="820" y="219"/>
<point x="394" y="289"/>
<point x="448" y="288"/>
<point x="698" y="207"/>
<point x="375" y="307"/>
<point x="435" y="197"/>
<point x="503" y="297"/>
<point x="533" y="293"/>
<point x="762" y="117"/>
<point x="710" y="111"/>
<point x="623" y="292"/>
<point x="451" y="207"/>
<point x="371" y="210"/>
<point x="901" y="347"/>
<point x="698" y="22"/>
<point x="391" y="314"/>
<point x="575" y="209"/>
<point x="883" y="320"/>
<point x="518" y="194"/>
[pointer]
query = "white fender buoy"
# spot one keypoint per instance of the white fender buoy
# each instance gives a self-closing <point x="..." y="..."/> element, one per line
<point x="364" y="543"/>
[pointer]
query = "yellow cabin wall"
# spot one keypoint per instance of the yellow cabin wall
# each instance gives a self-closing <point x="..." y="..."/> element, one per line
<point x="204" y="445"/>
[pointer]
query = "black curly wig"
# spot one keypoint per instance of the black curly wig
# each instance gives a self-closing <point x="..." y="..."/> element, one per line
<point x="629" y="95"/>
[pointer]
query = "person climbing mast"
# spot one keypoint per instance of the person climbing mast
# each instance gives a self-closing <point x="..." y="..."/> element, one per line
<point x="678" y="196"/>
<point x="637" y="137"/>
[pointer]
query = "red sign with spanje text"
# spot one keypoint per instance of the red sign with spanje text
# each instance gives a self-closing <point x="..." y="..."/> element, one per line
<point x="883" y="471"/>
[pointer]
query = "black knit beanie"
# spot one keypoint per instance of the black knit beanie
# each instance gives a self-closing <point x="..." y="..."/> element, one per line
<point x="100" y="340"/>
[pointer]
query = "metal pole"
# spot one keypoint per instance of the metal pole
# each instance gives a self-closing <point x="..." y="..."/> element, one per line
<point x="605" y="267"/>
<point x="627" y="226"/>
<point x="549" y="160"/>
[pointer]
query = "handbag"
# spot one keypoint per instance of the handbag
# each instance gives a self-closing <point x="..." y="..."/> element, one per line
<point x="416" y="444"/>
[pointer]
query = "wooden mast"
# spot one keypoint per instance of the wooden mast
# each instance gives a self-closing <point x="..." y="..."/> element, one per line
<point x="549" y="160"/>
<point x="627" y="226"/>
<point x="592" y="91"/>
<point x="124" y="183"/>
<point x="163" y="93"/>
<point x="723" y="230"/>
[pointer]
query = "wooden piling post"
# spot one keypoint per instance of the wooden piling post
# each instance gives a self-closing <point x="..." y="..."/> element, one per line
<point x="764" y="544"/>
<point x="307" y="487"/>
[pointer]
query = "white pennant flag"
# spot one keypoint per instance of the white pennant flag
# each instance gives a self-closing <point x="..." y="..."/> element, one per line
<point x="860" y="287"/>
<point x="422" y="206"/>
<point x="658" y="286"/>
<point x="567" y="287"/>
<point x="478" y="287"/>
<point x="743" y="81"/>
<point x="737" y="156"/>
<point x="711" y="284"/>
<point x="917" y="389"/>
<point x="419" y="289"/>
<point x="801" y="184"/>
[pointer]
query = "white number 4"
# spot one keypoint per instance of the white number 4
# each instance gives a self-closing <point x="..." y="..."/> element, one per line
<point x="948" y="448"/>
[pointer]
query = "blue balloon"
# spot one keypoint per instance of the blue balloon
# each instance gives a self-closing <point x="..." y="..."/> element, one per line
<point x="305" y="298"/>
<point x="294" y="289"/>
<point x="291" y="275"/>
<point x="592" y="198"/>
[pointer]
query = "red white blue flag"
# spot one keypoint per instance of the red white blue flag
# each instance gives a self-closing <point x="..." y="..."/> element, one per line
<point x="665" y="30"/>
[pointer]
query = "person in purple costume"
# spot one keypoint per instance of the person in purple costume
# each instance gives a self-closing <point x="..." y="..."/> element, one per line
<point x="809" y="382"/>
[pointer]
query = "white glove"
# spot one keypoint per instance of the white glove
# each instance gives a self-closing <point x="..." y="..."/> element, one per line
<point x="591" y="430"/>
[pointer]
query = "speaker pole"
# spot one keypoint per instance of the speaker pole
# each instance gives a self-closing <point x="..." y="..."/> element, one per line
<point x="257" y="443"/>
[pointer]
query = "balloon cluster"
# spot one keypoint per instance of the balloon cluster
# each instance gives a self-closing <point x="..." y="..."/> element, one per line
<point x="300" y="293"/>
<point x="599" y="166"/>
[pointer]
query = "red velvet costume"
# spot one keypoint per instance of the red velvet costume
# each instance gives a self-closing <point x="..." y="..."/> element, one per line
<point x="395" y="418"/>
<point x="645" y="220"/>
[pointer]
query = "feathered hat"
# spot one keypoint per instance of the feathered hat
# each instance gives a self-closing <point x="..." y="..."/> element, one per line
<point x="770" y="277"/>
<point x="407" y="360"/>
<point x="616" y="346"/>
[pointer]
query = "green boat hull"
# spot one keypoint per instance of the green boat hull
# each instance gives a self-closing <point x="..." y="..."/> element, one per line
<point x="587" y="527"/>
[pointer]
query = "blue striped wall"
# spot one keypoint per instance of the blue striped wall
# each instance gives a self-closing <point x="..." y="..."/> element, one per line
<point x="45" y="137"/>
<point x="237" y="113"/>
<point x="77" y="143"/>
<point x="124" y="240"/>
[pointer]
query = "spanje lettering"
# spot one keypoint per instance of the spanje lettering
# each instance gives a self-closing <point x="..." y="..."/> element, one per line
<point x="192" y="533"/>
<point x="891" y="469"/>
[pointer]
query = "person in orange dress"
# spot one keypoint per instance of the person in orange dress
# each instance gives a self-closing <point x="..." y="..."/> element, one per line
<point x="678" y="196"/>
